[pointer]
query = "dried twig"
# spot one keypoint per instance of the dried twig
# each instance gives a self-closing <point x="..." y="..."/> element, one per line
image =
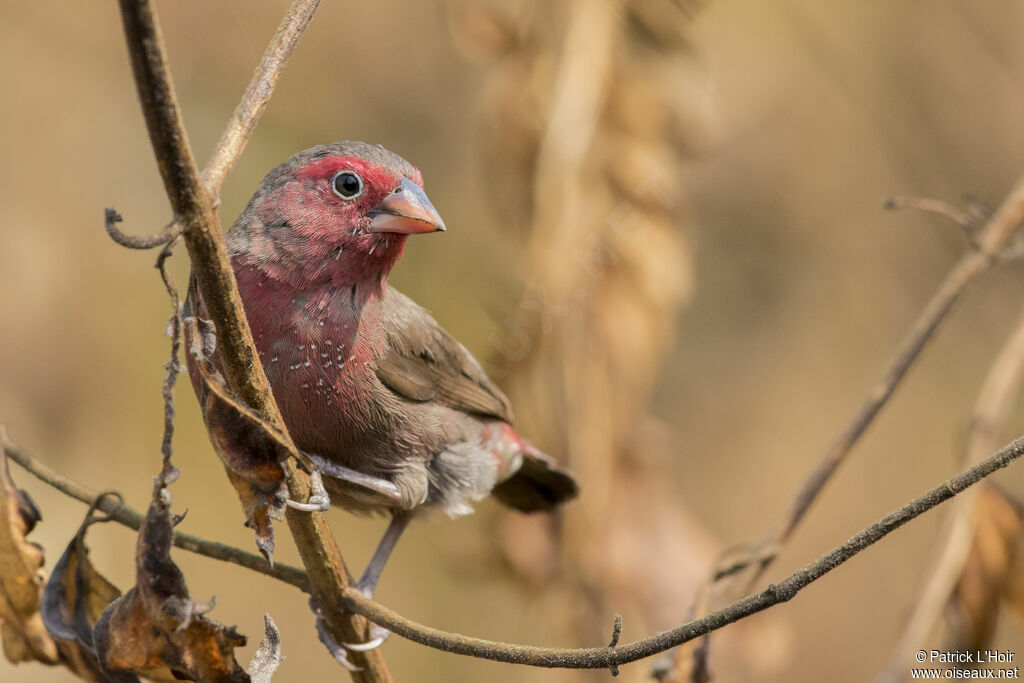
<point x="988" y="245"/>
<point x="995" y="401"/>
<point x="247" y="114"/>
<point x="128" y="517"/>
<point x="173" y="365"/>
<point x="990" y="241"/>
<point x="112" y="218"/>
<point x="606" y="657"/>
<point x="609" y="656"/>
<point x="193" y="208"/>
<point x="965" y="219"/>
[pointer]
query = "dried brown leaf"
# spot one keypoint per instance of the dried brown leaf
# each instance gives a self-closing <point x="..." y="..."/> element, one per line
<point x="76" y="594"/>
<point x="260" y="510"/>
<point x="250" y="448"/>
<point x="992" y="572"/>
<point x="248" y="445"/>
<point x="157" y="624"/>
<point x="73" y="601"/>
<point x="21" y="625"/>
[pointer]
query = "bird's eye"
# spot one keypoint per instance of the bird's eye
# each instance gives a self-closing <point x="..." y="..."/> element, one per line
<point x="347" y="185"/>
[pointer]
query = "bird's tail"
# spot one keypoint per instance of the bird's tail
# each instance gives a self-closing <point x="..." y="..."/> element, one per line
<point x="538" y="485"/>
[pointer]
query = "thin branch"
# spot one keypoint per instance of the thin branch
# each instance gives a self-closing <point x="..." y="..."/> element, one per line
<point x="193" y="208"/>
<point x="606" y="657"/>
<point x="173" y="365"/>
<point x="112" y="218"/>
<point x="128" y="517"/>
<point x="988" y="245"/>
<point x="990" y="241"/>
<point x="573" y="658"/>
<point x="961" y="217"/>
<point x="243" y="121"/>
<point x="992" y="410"/>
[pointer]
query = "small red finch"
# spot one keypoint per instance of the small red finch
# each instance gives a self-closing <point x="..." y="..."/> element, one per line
<point x="398" y="415"/>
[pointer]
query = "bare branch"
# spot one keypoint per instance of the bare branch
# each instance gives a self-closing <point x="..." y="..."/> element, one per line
<point x="193" y="208"/>
<point x="247" y="114"/>
<point x="600" y="657"/>
<point x="173" y="365"/>
<point x="961" y="217"/>
<point x="992" y="410"/>
<point x="990" y="241"/>
<point x="988" y="245"/>
<point x="607" y="657"/>
<point x="128" y="517"/>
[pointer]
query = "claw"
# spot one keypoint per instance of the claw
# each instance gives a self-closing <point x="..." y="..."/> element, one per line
<point x="378" y="634"/>
<point x="318" y="500"/>
<point x="337" y="651"/>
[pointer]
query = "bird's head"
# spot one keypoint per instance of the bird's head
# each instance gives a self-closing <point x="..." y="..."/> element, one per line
<point x="337" y="213"/>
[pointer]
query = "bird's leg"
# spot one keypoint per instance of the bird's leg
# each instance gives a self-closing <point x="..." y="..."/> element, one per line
<point x="371" y="575"/>
<point x="382" y="487"/>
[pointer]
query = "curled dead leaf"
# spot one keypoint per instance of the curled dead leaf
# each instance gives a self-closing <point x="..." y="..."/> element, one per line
<point x="76" y="594"/>
<point x="991" y="576"/>
<point x="250" y="448"/>
<point x="247" y="444"/>
<point x="74" y="598"/>
<point x="156" y="623"/>
<point x="21" y="625"/>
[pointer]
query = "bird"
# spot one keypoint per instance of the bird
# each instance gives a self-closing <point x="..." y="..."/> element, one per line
<point x="398" y="417"/>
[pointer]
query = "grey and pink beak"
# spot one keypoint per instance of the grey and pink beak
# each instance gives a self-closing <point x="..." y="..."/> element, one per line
<point x="406" y="211"/>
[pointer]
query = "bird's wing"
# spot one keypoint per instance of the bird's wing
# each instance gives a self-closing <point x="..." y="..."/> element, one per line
<point x="423" y="362"/>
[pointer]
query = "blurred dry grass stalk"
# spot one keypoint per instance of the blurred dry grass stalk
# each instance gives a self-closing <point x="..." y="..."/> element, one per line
<point x="609" y="266"/>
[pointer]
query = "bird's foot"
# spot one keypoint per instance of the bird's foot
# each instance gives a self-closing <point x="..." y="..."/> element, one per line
<point x="339" y="652"/>
<point x="318" y="500"/>
<point x="376" y="638"/>
<point x="382" y="487"/>
<point x="378" y="634"/>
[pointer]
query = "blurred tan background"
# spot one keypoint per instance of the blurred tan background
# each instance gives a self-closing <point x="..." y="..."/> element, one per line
<point x="814" y="112"/>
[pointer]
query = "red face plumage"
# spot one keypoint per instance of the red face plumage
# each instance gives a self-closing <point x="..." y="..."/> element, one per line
<point x="339" y="213"/>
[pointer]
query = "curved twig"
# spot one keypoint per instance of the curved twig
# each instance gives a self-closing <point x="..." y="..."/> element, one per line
<point x="609" y="656"/>
<point x="961" y="217"/>
<point x="122" y="514"/>
<point x="110" y="220"/>
<point x="605" y="657"/>
<point x="990" y="241"/>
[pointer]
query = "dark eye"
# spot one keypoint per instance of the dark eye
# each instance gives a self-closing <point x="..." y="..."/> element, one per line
<point x="347" y="185"/>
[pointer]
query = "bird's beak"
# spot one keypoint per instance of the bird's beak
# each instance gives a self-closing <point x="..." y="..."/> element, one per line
<point x="407" y="211"/>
